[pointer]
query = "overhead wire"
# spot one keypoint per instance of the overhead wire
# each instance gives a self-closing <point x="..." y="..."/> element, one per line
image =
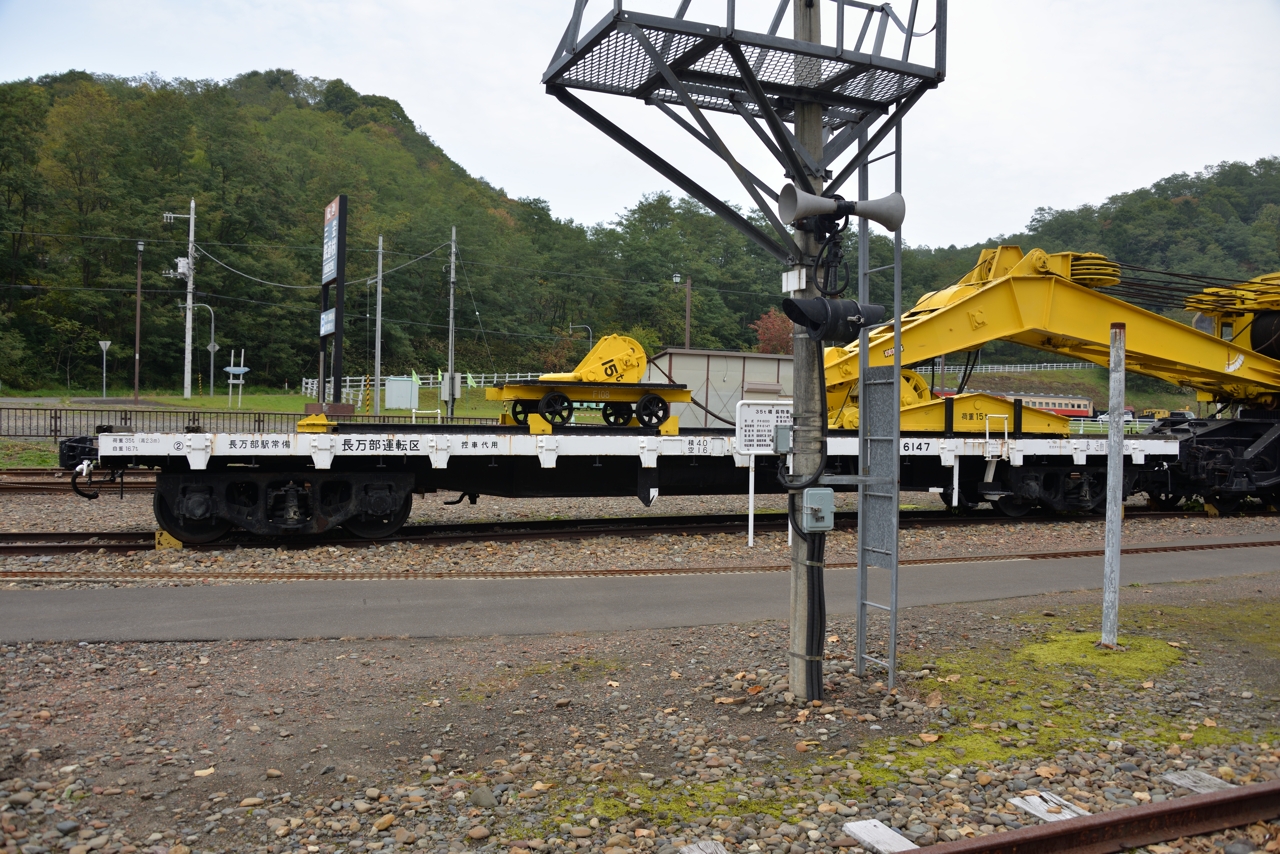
<point x="471" y="293"/>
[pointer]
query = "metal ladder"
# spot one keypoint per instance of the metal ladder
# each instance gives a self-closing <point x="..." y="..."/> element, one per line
<point x="878" y="435"/>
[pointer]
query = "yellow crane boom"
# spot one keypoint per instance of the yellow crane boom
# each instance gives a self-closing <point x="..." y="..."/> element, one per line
<point x="1055" y="303"/>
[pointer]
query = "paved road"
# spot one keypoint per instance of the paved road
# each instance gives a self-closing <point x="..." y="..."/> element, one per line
<point x="453" y="608"/>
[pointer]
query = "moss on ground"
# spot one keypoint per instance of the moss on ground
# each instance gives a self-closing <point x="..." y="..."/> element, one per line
<point x="1041" y="683"/>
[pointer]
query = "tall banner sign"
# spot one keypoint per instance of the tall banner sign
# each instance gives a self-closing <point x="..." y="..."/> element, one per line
<point x="333" y="271"/>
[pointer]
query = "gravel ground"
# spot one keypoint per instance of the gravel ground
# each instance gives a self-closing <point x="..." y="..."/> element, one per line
<point x="599" y="553"/>
<point x="637" y="742"/>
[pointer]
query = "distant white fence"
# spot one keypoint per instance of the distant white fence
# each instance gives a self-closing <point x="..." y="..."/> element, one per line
<point x="358" y="390"/>
<point x="1017" y="369"/>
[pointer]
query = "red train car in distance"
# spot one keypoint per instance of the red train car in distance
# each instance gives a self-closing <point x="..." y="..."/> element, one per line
<point x="1062" y="404"/>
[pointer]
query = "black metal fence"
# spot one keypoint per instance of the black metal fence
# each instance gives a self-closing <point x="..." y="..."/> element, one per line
<point x="38" y="422"/>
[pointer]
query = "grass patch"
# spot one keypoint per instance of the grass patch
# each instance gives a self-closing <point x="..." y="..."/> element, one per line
<point x="16" y="453"/>
<point x="583" y="667"/>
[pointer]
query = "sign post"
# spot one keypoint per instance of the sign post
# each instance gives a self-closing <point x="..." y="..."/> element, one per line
<point x="333" y="270"/>
<point x="756" y="420"/>
<point x="104" y="345"/>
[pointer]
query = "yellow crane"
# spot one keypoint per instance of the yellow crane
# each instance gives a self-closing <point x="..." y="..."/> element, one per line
<point x="1058" y="303"/>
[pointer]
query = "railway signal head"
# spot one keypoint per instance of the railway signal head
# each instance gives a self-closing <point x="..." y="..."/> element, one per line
<point x="837" y="320"/>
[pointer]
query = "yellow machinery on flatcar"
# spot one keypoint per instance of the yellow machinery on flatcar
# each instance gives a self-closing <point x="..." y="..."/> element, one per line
<point x="611" y="374"/>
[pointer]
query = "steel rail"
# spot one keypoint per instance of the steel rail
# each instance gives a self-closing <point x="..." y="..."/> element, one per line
<point x="1132" y="827"/>
<point x="107" y="575"/>
<point x="119" y="542"/>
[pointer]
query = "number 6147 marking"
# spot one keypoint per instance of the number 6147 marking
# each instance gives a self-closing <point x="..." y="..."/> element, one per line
<point x="909" y="445"/>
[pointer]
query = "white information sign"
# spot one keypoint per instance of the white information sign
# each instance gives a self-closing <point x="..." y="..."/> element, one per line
<point x="755" y="422"/>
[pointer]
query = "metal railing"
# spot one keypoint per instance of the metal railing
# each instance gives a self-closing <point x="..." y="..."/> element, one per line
<point x="354" y="388"/>
<point x="1016" y="369"/>
<point x="60" y="423"/>
<point x="1094" y="427"/>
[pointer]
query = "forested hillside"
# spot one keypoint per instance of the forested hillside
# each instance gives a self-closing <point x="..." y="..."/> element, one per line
<point x="88" y="164"/>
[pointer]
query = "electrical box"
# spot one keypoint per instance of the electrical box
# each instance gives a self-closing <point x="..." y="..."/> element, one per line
<point x="817" y="510"/>
<point x="782" y="439"/>
<point x="450" y="386"/>
<point x="401" y="393"/>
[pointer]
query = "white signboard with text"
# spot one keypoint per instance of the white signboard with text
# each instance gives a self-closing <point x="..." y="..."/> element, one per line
<point x="755" y="422"/>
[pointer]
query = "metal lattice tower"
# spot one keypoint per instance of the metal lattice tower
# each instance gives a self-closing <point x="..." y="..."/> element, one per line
<point x="862" y="89"/>
<point x="821" y="108"/>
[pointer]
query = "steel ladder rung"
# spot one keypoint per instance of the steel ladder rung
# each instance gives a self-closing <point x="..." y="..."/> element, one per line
<point x="877" y="605"/>
<point x="876" y="550"/>
<point x="875" y="661"/>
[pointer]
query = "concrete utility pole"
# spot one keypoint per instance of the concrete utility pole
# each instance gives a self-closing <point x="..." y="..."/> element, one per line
<point x="453" y="284"/>
<point x="1115" y="491"/>
<point x="137" y="329"/>
<point x="377" y="340"/>
<point x="191" y="292"/>
<point x="810" y="400"/>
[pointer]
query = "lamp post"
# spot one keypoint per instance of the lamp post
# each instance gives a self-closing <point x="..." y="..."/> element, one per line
<point x="137" y="329"/>
<point x="688" y="304"/>
<point x="590" y="337"/>
<point x="213" y="345"/>
<point x="104" y="345"/>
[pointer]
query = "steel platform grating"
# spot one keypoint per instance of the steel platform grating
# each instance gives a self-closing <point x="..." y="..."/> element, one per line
<point x="610" y="59"/>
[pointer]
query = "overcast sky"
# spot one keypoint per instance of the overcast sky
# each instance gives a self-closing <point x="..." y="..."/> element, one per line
<point x="1053" y="103"/>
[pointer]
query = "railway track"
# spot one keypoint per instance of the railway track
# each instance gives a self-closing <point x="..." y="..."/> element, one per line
<point x="21" y="544"/>
<point x="45" y="481"/>
<point x="1133" y="827"/>
<point x="166" y="574"/>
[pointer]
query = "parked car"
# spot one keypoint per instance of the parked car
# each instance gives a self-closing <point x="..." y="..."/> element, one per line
<point x="1106" y="417"/>
<point x="1180" y="415"/>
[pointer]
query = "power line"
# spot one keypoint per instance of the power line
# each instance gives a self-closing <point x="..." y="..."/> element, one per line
<point x="615" y="279"/>
<point x="303" y="246"/>
<point x="254" y="278"/>
<point x="471" y="293"/>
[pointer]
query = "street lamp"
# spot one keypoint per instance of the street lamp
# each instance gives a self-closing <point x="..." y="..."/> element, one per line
<point x="688" y="304"/>
<point x="104" y="345"/>
<point x="590" y="337"/>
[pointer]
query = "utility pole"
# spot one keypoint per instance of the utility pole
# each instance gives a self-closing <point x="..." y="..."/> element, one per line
<point x="377" y="340"/>
<point x="810" y="411"/>
<point x="187" y="268"/>
<point x="137" y="329"/>
<point x="1115" y="491"/>
<point x="191" y="293"/>
<point x="453" y="282"/>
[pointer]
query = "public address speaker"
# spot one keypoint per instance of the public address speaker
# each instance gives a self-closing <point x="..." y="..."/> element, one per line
<point x="796" y="204"/>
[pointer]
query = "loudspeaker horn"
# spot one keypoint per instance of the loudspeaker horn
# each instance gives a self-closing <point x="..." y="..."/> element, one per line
<point x="794" y="204"/>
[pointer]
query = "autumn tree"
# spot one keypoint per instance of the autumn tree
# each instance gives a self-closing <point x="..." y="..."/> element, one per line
<point x="773" y="330"/>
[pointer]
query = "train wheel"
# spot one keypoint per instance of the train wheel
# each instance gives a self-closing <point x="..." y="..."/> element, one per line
<point x="190" y="530"/>
<point x="617" y="414"/>
<point x="556" y="408"/>
<point x="377" y="527"/>
<point x="652" y="410"/>
<point x="1012" y="506"/>
<point x="520" y="412"/>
